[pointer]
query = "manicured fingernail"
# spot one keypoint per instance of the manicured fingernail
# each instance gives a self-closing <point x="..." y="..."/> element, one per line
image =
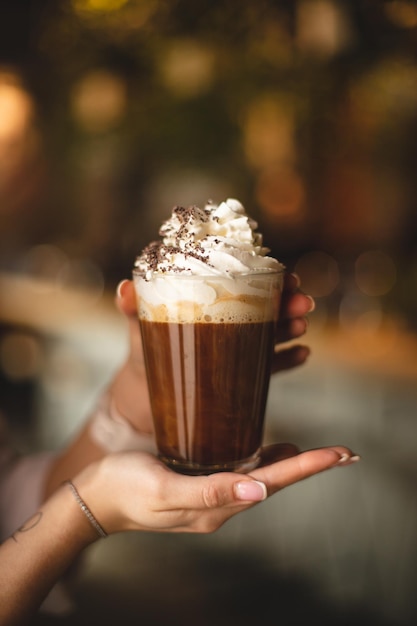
<point x="346" y="459"/>
<point x="120" y="287"/>
<point x="297" y="279"/>
<point x="312" y="304"/>
<point x="251" y="491"/>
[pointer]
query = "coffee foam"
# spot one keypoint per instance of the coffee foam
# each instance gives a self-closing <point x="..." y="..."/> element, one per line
<point x="212" y="300"/>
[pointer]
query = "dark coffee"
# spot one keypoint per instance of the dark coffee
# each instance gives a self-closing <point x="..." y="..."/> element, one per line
<point x="208" y="385"/>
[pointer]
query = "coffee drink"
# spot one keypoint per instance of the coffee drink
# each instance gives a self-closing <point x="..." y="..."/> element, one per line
<point x="208" y="386"/>
<point x="208" y="341"/>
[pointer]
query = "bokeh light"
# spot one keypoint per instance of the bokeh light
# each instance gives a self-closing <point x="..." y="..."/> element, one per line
<point x="375" y="273"/>
<point x="403" y="13"/>
<point x="356" y="307"/>
<point x="323" y="27"/>
<point x="99" y="101"/>
<point x="19" y="144"/>
<point x="111" y="112"/>
<point x="280" y="193"/>
<point x="16" y="107"/>
<point x="319" y="273"/>
<point x="268" y="131"/>
<point x="363" y="320"/>
<point x="187" y="67"/>
<point x="99" y="5"/>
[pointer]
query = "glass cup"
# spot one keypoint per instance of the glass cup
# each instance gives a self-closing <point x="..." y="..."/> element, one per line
<point x="208" y="343"/>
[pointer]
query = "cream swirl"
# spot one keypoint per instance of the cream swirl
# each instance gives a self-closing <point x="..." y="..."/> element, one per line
<point x="219" y="239"/>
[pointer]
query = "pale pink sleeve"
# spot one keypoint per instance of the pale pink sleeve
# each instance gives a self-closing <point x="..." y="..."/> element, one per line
<point x="21" y="484"/>
<point x="21" y="490"/>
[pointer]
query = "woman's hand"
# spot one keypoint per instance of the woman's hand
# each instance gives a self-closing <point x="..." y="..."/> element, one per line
<point x="136" y="491"/>
<point x="292" y="323"/>
<point x="129" y="388"/>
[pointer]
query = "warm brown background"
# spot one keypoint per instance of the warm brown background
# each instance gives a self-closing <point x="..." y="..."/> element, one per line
<point x="111" y="112"/>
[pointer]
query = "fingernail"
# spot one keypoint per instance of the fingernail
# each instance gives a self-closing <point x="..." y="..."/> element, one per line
<point x="312" y="304"/>
<point x="345" y="459"/>
<point x="251" y="491"/>
<point x="120" y="287"/>
<point x="296" y="278"/>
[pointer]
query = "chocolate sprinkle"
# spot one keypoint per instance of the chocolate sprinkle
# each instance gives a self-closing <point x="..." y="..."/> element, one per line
<point x="156" y="253"/>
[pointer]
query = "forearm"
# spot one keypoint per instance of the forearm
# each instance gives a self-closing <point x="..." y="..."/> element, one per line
<point x="39" y="553"/>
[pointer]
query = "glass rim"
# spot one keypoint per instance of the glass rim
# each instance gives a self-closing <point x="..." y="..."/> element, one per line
<point x="226" y="276"/>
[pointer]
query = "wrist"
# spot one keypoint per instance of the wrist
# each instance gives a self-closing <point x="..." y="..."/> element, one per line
<point x="66" y="522"/>
<point x="94" y="486"/>
<point x="94" y="523"/>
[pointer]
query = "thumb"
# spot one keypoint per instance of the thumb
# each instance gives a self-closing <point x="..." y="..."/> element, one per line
<point x="250" y="490"/>
<point x="126" y="298"/>
<point x="218" y="490"/>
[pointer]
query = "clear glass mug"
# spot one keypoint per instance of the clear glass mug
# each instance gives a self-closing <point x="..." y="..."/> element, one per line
<point x="208" y="343"/>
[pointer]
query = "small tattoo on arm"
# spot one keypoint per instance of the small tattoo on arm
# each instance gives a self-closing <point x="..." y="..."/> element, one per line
<point x="28" y="525"/>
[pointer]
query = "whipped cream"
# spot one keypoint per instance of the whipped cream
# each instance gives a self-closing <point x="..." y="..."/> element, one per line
<point x="216" y="240"/>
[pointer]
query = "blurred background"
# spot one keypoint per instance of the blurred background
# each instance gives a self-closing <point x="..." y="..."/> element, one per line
<point x="114" y="111"/>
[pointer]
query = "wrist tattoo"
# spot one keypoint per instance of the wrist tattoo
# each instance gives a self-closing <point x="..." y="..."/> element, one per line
<point x="28" y="525"/>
